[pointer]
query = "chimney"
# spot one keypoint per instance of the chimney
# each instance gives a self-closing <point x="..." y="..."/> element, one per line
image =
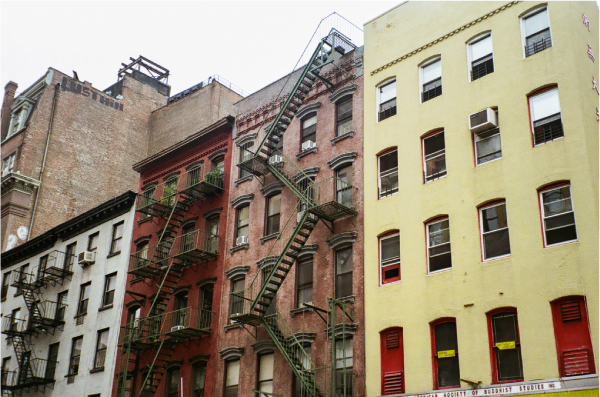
<point x="9" y="97"/>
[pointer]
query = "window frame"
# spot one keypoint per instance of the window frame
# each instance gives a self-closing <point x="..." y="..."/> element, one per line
<point x="442" y="174"/>
<point x="101" y="337"/>
<point x="238" y="300"/>
<point x="53" y="349"/>
<point x="302" y="263"/>
<point x="269" y="228"/>
<point x="348" y="371"/>
<point x="198" y="376"/>
<point x="117" y="238"/>
<point x="169" y="381"/>
<point x="308" y="132"/>
<point x="389" y="173"/>
<point x="5" y="284"/>
<point x="344" y="175"/>
<point x="435" y="353"/>
<point x="260" y="383"/>
<point x="8" y="164"/>
<point x="61" y="307"/>
<point x="86" y="287"/>
<point x="339" y="121"/>
<point x="23" y="271"/>
<point x="482" y="60"/>
<point x="484" y="135"/>
<point x="393" y="109"/>
<point x="75" y="359"/>
<point x="557" y="117"/>
<point x="548" y="189"/>
<point x="93" y="241"/>
<point x="228" y="390"/>
<point x="107" y="280"/>
<point x="245" y="155"/>
<point x="529" y="14"/>
<point x="397" y="264"/>
<point x="428" y="240"/>
<point x="493" y="349"/>
<point x="423" y="83"/>
<point x="338" y="276"/>
<point x="238" y="227"/>
<point x="482" y="233"/>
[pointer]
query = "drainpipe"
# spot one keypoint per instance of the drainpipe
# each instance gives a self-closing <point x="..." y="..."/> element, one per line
<point x="50" y="124"/>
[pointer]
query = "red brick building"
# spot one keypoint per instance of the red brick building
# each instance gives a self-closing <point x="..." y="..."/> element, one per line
<point x="169" y="331"/>
<point x="294" y="245"/>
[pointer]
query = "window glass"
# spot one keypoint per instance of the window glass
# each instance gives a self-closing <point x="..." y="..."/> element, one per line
<point x="487" y="146"/>
<point x="5" y="284"/>
<point x="494" y="229"/>
<point x="506" y="347"/>
<point x="101" y="345"/>
<point x="273" y="214"/>
<point x="198" y="379"/>
<point x="93" y="241"/>
<point x="211" y="243"/>
<point x="438" y="237"/>
<point x="389" y="249"/>
<point x="237" y="300"/>
<point x="434" y="156"/>
<point x="62" y="305"/>
<point x="8" y="164"/>
<point x="481" y="57"/>
<point x="232" y="378"/>
<point x="84" y="298"/>
<point x="52" y="361"/>
<point x="265" y="373"/>
<point x="388" y="174"/>
<point x="245" y="155"/>
<point x="343" y="365"/>
<point x="387" y="100"/>
<point x="343" y="186"/>
<point x="172" y="387"/>
<point x="75" y="355"/>
<point x="309" y="129"/>
<point x="343" y="271"/>
<point x="559" y="218"/>
<point x="243" y="219"/>
<point x="304" y="281"/>
<point x="109" y="289"/>
<point x="446" y="355"/>
<point x="344" y="117"/>
<point x="536" y="32"/>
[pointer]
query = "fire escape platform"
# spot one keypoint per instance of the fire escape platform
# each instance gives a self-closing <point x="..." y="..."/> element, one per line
<point x="256" y="166"/>
<point x="45" y="324"/>
<point x="332" y="210"/>
<point x="56" y="273"/>
<point x="194" y="255"/>
<point x="247" y="318"/>
<point x="181" y="332"/>
<point x="200" y="190"/>
<point x="149" y="271"/>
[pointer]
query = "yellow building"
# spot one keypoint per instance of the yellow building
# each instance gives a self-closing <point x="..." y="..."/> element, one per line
<point x="481" y="199"/>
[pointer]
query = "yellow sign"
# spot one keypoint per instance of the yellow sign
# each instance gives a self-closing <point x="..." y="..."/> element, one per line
<point x="505" y="345"/>
<point x="446" y="353"/>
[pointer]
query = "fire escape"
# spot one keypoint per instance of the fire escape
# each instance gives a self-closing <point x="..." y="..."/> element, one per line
<point x="42" y="317"/>
<point x="155" y="337"/>
<point x="326" y="200"/>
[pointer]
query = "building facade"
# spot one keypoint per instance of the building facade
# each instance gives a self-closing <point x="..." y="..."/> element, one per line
<point x="481" y="199"/>
<point x="61" y="304"/>
<point x="292" y="307"/>
<point x="167" y="344"/>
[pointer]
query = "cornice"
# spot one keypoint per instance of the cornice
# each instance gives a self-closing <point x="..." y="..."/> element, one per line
<point x="241" y="200"/>
<point x="343" y="92"/>
<point x="231" y="353"/>
<point x="342" y="239"/>
<point x="237" y="271"/>
<point x="307" y="110"/>
<point x="342" y="160"/>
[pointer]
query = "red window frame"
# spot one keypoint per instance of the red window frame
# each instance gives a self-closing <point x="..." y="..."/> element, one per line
<point x="382" y="279"/>
<point x="494" y="349"/>
<point x="434" y="353"/>
<point x="392" y="360"/>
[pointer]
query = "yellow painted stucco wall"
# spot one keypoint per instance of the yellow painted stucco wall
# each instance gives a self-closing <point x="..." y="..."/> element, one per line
<point x="532" y="276"/>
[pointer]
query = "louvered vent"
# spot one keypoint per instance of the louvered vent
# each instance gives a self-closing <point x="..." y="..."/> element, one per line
<point x="570" y="311"/>
<point x="576" y="362"/>
<point x="392" y="382"/>
<point x="392" y="340"/>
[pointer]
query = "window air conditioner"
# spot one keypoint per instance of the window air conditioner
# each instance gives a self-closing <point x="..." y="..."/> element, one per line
<point x="276" y="159"/>
<point x="241" y="240"/>
<point x="177" y="327"/>
<point x="482" y="120"/>
<point x="308" y="145"/>
<point x="86" y="258"/>
<point x="301" y="214"/>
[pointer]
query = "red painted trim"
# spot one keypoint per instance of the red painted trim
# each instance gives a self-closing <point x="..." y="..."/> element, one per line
<point x="434" y="366"/>
<point x="508" y="309"/>
<point x="390" y="361"/>
<point x="529" y="96"/>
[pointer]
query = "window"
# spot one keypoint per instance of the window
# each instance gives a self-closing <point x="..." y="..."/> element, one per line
<point x="343" y="186"/>
<point x="62" y="305"/>
<point x="237" y="301"/>
<point x="298" y="389"/>
<point x="343" y="367"/>
<point x="23" y="278"/>
<point x="392" y="361"/>
<point x="169" y="192"/>
<point x="243" y="221"/>
<point x="84" y="298"/>
<point x="101" y="344"/>
<point x="133" y="315"/>
<point x="343" y="272"/>
<point x="70" y="256"/>
<point x="388" y="173"/>
<point x="206" y="296"/>
<point x="487" y="144"/>
<point x="6" y="376"/>
<point x="245" y="155"/>
<point x="494" y="231"/>
<point x="43" y="263"/>
<point x="546" y="122"/>
<point x="93" y="241"/>
<point x="117" y="238"/>
<point x="558" y="216"/>
<point x="15" y="320"/>
<point x="172" y="384"/>
<point x="211" y="243"/>
<point x="218" y="163"/>
<point x="481" y="57"/>
<point x="273" y="214"/>
<point x="445" y="354"/>
<point x="434" y="156"/>
<point x="188" y="238"/>
<point x="8" y="164"/>
<point x="438" y="245"/>
<point x="505" y="346"/>
<point x="75" y="355"/>
<point x="304" y="281"/>
<point x="535" y="32"/>
<point x="572" y="334"/>
<point x="5" y="285"/>
<point x="110" y="283"/>
<point x="148" y="391"/>
<point x="141" y="255"/>
<point x="344" y="116"/>
<point x="52" y="360"/>
<point x="146" y="199"/>
<point x="389" y="257"/>
<point x="386" y="96"/>
<point x="198" y="379"/>
<point x="265" y="373"/>
<point x="232" y="378"/>
<point x="179" y="317"/>
<point x="309" y="131"/>
<point x="431" y="80"/>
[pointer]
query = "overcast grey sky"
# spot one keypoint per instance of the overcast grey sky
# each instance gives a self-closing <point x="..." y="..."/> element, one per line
<point x="249" y="43"/>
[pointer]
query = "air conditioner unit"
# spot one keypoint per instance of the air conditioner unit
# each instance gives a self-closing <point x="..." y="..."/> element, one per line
<point x="301" y="214"/>
<point x="241" y="240"/>
<point x="177" y="327"/>
<point x="308" y="145"/>
<point x="86" y="258"/>
<point x="482" y="120"/>
<point x="276" y="159"/>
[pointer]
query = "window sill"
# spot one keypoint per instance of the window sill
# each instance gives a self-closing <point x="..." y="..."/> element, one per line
<point x="301" y="310"/>
<point x="342" y="137"/>
<point x="94" y="370"/>
<point x="105" y="308"/>
<point x="269" y="237"/>
<point x="19" y="293"/>
<point x="242" y="180"/>
<point x="232" y="326"/>
<point x="113" y="254"/>
<point x="3" y="299"/>
<point x="306" y="152"/>
<point x="349" y="298"/>
<point x="239" y="247"/>
<point x="70" y="375"/>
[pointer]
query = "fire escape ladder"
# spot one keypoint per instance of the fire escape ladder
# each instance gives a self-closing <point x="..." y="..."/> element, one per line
<point x="292" y="351"/>
<point x="164" y="351"/>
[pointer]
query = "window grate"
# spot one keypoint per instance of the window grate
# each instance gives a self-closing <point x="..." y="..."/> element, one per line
<point x="482" y="67"/>
<point x="392" y="382"/>
<point x="548" y="131"/>
<point x="387" y="113"/>
<point x="576" y="362"/>
<point x="570" y="311"/>
<point x="538" y="42"/>
<point x="432" y="89"/>
<point x="392" y="340"/>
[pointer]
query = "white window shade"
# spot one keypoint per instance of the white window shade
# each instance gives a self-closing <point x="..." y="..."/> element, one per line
<point x="387" y="92"/>
<point x="266" y="367"/>
<point x="432" y="71"/>
<point x="481" y="48"/>
<point x="233" y="373"/>
<point x="544" y="105"/>
<point x="309" y="121"/>
<point x="536" y="22"/>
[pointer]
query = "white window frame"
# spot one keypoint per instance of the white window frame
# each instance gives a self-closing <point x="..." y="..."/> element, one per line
<point x="388" y="173"/>
<point x="8" y="164"/>
<point x="522" y="25"/>
<point x="429" y="246"/>
<point x="422" y="81"/>
<point x="482" y="234"/>
<point x="379" y="87"/>
<point x="543" y="213"/>
<point x="392" y="261"/>
<point x="470" y="60"/>
<point x="533" y="118"/>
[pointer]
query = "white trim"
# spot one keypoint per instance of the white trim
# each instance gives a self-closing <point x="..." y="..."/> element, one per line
<point x="384" y="83"/>
<point x="522" y="24"/>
